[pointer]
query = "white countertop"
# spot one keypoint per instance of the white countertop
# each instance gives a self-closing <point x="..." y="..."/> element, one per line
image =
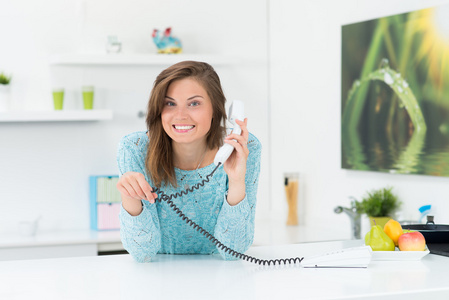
<point x="210" y="277"/>
<point x="83" y="242"/>
<point x="267" y="232"/>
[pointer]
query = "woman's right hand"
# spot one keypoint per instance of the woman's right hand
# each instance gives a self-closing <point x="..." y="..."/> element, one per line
<point x="133" y="186"/>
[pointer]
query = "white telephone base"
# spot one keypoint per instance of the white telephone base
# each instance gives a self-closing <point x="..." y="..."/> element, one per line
<point x="356" y="257"/>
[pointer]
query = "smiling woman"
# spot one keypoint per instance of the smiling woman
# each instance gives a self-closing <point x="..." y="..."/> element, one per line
<point x="187" y="119"/>
<point x="185" y="122"/>
<point x="171" y="98"/>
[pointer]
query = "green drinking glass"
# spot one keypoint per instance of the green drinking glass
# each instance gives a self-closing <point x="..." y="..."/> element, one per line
<point x="58" y="98"/>
<point x="88" y="97"/>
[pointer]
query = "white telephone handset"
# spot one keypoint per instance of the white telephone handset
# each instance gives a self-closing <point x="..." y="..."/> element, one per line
<point x="236" y="111"/>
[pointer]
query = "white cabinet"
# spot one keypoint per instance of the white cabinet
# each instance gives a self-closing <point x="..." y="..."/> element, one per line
<point x="54" y="251"/>
<point x="60" y="244"/>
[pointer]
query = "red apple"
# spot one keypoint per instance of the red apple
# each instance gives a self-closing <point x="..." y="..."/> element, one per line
<point x="412" y="241"/>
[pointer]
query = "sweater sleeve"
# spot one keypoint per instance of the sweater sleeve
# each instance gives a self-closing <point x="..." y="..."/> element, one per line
<point x="140" y="235"/>
<point x="235" y="224"/>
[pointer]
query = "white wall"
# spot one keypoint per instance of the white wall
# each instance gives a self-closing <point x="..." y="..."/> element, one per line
<point x="305" y="54"/>
<point x="44" y="167"/>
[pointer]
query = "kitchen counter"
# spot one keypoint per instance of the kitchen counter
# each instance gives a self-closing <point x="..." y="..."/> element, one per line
<point x="72" y="243"/>
<point x="210" y="277"/>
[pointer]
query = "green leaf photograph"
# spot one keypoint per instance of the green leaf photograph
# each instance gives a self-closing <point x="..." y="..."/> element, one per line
<point x="395" y="103"/>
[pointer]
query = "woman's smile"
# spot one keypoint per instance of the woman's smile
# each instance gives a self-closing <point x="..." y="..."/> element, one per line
<point x="183" y="128"/>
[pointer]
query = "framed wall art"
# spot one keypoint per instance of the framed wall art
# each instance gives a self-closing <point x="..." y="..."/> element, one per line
<point x="395" y="93"/>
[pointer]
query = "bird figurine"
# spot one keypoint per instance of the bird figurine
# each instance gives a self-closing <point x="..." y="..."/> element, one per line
<point x="166" y="44"/>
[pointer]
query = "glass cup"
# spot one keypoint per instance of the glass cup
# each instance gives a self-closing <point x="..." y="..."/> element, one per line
<point x="88" y="97"/>
<point x="291" y="183"/>
<point x="58" y="98"/>
<point x="29" y="227"/>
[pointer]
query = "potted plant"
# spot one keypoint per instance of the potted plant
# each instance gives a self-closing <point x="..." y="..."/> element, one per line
<point x="4" y="91"/>
<point x="380" y="205"/>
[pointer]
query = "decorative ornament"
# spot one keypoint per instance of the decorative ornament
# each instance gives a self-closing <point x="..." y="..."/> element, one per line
<point x="166" y="44"/>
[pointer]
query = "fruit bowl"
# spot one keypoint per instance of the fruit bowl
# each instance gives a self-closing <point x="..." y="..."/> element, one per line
<point x="399" y="255"/>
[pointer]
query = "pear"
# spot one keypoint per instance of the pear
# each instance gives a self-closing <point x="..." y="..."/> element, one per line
<point x="378" y="240"/>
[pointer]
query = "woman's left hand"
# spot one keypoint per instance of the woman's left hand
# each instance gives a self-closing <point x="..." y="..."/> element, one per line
<point x="235" y="165"/>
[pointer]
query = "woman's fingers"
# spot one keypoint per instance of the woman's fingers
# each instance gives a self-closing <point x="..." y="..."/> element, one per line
<point x="131" y="191"/>
<point x="244" y="126"/>
<point x="123" y="190"/>
<point x="134" y="185"/>
<point x="238" y="140"/>
<point x="146" y="189"/>
<point x="238" y="145"/>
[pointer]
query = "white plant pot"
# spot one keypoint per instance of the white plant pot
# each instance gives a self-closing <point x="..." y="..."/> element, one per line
<point x="5" y="97"/>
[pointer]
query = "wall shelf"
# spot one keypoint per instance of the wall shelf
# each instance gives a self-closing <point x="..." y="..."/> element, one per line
<point x="56" y="116"/>
<point x="136" y="59"/>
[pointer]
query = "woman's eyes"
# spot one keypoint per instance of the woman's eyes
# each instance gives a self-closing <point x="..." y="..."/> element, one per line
<point x="193" y="103"/>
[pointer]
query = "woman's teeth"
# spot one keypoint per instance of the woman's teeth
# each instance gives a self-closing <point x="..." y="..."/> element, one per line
<point x="183" y="127"/>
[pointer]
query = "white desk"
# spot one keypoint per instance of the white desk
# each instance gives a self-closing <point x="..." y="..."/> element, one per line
<point x="210" y="277"/>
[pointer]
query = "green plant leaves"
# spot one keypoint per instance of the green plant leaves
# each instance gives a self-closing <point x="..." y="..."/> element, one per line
<point x="380" y="203"/>
<point x="4" y="79"/>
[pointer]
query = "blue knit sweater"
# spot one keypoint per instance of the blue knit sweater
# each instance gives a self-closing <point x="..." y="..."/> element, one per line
<point x="158" y="229"/>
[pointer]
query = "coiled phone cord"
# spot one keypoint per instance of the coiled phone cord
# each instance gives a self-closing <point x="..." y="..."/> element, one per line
<point x="168" y="199"/>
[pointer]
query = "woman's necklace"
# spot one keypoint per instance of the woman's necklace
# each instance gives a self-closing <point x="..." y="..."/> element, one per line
<point x="186" y="185"/>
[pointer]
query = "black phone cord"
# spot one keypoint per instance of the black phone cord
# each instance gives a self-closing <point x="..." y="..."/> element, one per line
<point x="168" y="199"/>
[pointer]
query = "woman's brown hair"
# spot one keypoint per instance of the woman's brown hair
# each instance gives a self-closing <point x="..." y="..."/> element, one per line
<point x="159" y="159"/>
